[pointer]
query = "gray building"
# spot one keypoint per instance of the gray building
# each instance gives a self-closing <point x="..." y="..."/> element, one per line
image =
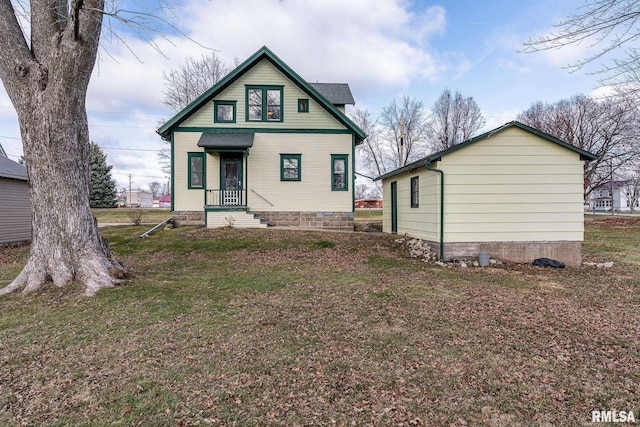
<point x="15" y="204"/>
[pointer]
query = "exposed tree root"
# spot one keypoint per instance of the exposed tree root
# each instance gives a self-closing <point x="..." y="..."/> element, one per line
<point x="94" y="272"/>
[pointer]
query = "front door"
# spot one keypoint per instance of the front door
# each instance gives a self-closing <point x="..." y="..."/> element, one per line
<point x="231" y="179"/>
<point x="394" y="207"/>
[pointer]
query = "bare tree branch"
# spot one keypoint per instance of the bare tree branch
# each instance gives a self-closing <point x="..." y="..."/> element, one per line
<point x="607" y="128"/>
<point x="605" y="25"/>
<point x="455" y="119"/>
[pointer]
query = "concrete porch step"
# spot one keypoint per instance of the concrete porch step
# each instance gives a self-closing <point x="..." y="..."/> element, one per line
<point x="236" y="219"/>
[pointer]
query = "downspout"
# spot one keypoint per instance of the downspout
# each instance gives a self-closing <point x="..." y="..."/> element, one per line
<point x="441" y="209"/>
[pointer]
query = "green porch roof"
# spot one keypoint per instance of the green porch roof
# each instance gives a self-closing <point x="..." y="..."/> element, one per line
<point x="584" y="155"/>
<point x="226" y="141"/>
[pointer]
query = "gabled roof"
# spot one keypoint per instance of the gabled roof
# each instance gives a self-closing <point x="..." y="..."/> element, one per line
<point x="11" y="169"/>
<point x="584" y="155"/>
<point x="336" y="93"/>
<point x="229" y="79"/>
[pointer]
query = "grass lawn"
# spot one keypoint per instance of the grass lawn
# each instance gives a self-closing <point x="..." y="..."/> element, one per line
<point x="272" y="327"/>
<point x="365" y="215"/>
<point x="123" y="215"/>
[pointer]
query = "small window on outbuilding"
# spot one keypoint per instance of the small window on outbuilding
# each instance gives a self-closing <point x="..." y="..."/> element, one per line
<point x="196" y="170"/>
<point x="290" y="167"/>
<point x="415" y="192"/>
<point x="303" y="105"/>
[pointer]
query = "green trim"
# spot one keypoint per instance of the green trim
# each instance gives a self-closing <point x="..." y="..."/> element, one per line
<point x="263" y="53"/>
<point x="172" y="189"/>
<point x="284" y="157"/>
<point x="584" y="155"/>
<point x="215" y="111"/>
<point x="190" y="156"/>
<point x="344" y="157"/>
<point x="414" y="191"/>
<point x="204" y="179"/>
<point x="303" y="105"/>
<point x="353" y="176"/>
<point x="265" y="106"/>
<point x="264" y="130"/>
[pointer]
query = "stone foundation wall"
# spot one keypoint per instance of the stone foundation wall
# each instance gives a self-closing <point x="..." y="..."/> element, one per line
<point x="182" y="218"/>
<point x="324" y="220"/>
<point x="525" y="252"/>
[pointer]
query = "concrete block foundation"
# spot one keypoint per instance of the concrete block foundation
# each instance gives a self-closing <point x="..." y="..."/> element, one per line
<point x="523" y="252"/>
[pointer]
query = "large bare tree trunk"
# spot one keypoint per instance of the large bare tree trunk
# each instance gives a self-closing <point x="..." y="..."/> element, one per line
<point x="47" y="83"/>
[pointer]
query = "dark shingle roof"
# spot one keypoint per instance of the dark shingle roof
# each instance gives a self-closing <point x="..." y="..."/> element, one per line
<point x="11" y="169"/>
<point x="336" y="93"/>
<point x="226" y="140"/>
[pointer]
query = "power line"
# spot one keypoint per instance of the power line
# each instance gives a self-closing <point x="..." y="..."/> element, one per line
<point x="128" y="149"/>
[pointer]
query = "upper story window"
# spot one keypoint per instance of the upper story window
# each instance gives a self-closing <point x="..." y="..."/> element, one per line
<point x="303" y="105"/>
<point x="225" y="111"/>
<point x="264" y="103"/>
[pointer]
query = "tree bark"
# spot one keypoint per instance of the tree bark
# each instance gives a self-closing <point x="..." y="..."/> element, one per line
<point x="47" y="85"/>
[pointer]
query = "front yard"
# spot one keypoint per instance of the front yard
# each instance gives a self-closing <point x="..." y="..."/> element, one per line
<point x="271" y="327"/>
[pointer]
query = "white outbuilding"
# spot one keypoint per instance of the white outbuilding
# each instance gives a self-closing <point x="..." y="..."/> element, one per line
<point x="515" y="193"/>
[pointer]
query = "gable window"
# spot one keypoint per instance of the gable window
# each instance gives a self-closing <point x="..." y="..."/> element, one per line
<point x="196" y="170"/>
<point x="290" y="167"/>
<point x="264" y="103"/>
<point x="225" y="111"/>
<point x="415" y="192"/>
<point x="303" y="105"/>
<point x="339" y="172"/>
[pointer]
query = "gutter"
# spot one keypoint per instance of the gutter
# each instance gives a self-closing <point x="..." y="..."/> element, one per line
<point x="441" y="209"/>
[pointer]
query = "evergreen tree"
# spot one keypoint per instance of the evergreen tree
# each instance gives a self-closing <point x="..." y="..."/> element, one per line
<point x="102" y="193"/>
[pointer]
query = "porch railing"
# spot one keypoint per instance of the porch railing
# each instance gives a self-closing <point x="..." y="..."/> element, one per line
<point x="226" y="198"/>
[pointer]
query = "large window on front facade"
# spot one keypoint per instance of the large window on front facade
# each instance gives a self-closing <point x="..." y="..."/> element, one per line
<point x="264" y="103"/>
<point x="339" y="172"/>
<point x="290" y="167"/>
<point x="196" y="170"/>
<point x="225" y="111"/>
<point x="415" y="192"/>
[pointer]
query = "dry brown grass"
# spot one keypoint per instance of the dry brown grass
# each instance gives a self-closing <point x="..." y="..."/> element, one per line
<point x="271" y="327"/>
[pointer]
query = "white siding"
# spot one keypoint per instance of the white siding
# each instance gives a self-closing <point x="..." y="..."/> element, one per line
<point x="313" y="192"/>
<point x="264" y="73"/>
<point x="511" y="187"/>
<point x="262" y="173"/>
<point x="15" y="211"/>
<point x="185" y="199"/>
<point x="421" y="221"/>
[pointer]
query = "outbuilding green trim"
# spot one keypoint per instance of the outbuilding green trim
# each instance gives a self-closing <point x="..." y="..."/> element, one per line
<point x="426" y="161"/>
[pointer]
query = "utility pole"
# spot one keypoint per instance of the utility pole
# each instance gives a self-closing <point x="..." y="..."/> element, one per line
<point x="402" y="162"/>
<point x="129" y="204"/>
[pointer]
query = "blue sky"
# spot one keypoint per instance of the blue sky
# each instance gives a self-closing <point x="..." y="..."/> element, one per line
<point x="384" y="49"/>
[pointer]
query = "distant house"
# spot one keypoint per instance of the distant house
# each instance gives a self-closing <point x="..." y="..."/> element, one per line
<point x="368" y="204"/>
<point x="514" y="192"/>
<point x="165" y="201"/>
<point x="139" y="199"/>
<point x="264" y="145"/>
<point x="616" y="194"/>
<point x="15" y="208"/>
